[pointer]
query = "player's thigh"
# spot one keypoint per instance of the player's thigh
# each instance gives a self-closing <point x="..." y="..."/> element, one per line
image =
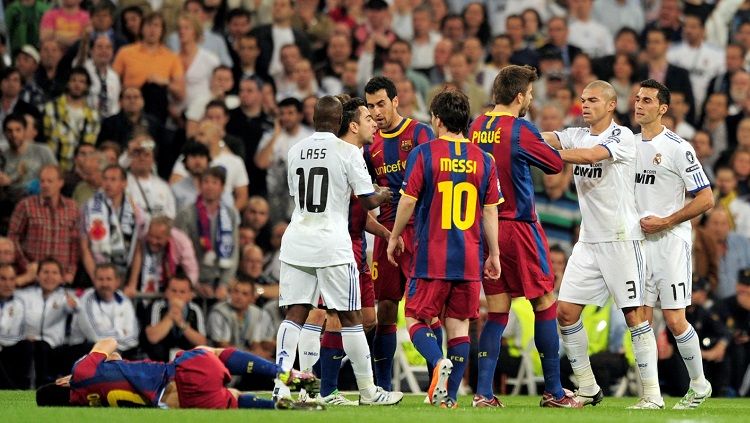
<point x="427" y="298"/>
<point x="463" y="300"/>
<point x="670" y="263"/>
<point x="387" y="279"/>
<point x="622" y="264"/>
<point x="525" y="259"/>
<point x="298" y="285"/>
<point x="339" y="286"/>
<point x="583" y="282"/>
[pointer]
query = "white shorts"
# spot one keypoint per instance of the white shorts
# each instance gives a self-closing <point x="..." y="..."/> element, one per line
<point x="669" y="271"/>
<point x="597" y="270"/>
<point x="338" y="286"/>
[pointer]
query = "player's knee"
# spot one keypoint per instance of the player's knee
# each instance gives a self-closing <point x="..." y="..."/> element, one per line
<point x="677" y="324"/>
<point x="567" y="315"/>
<point x="387" y="312"/>
<point x="297" y="313"/>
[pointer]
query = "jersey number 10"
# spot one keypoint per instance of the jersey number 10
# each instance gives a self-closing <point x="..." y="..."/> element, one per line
<point x="453" y="205"/>
<point x="306" y="196"/>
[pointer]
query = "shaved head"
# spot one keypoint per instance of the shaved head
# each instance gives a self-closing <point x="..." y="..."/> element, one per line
<point x="608" y="91"/>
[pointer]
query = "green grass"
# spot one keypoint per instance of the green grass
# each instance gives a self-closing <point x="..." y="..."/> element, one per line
<point x="18" y="406"/>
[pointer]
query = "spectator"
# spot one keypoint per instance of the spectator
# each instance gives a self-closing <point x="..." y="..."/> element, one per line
<point x="176" y="322"/>
<point x="76" y="175"/>
<point x="208" y="40"/>
<point x="557" y="28"/>
<point x="250" y="123"/>
<point x="522" y="53"/>
<point x="106" y="313"/>
<point x="439" y="72"/>
<point x="212" y="228"/>
<point x="111" y="151"/>
<point x="501" y="49"/>
<point x="273" y="264"/>
<point x="120" y="127"/>
<point x="550" y="118"/>
<point x="304" y="83"/>
<point x="51" y="75"/>
<point x="161" y="254"/>
<point x="239" y="23"/>
<point x="105" y="88"/>
<point x="10" y="99"/>
<point x="47" y="307"/>
<point x="425" y="38"/>
<point x="23" y="18"/>
<point x="247" y="237"/>
<point x="195" y="161"/>
<point x="111" y="225"/>
<point x="256" y="215"/>
<point x="69" y="121"/>
<point x="533" y="28"/>
<point x="24" y="159"/>
<point x="45" y="225"/>
<point x="150" y="193"/>
<point x="338" y="52"/>
<point x="558" y="210"/>
<point x="375" y="28"/>
<point x="239" y="323"/>
<point x="400" y="51"/>
<point x="91" y="178"/>
<point x="251" y="266"/>
<point x="679" y="109"/>
<point x="453" y="27"/>
<point x="66" y="24"/>
<point x="409" y="103"/>
<point x="739" y="85"/>
<point x="401" y="21"/>
<point x="131" y="18"/>
<point x="733" y="251"/>
<point x="559" y="259"/>
<point x="702" y="60"/>
<point x="272" y="37"/>
<point x="27" y="63"/>
<point x="272" y="156"/>
<point x="669" y="21"/>
<point x="459" y="69"/>
<point x="477" y="25"/>
<point x="102" y="24"/>
<point x="587" y="33"/>
<point x="218" y="113"/>
<point x="626" y="43"/>
<point x="703" y="146"/>
<point x="623" y="77"/>
<point x="15" y="351"/>
<point x="246" y="64"/>
<point x="715" y="121"/>
<point x="618" y="14"/>
<point x="734" y="311"/>
<point x="289" y="55"/>
<point x="23" y="275"/>
<point x="310" y="18"/>
<point x="219" y="90"/>
<point x="734" y="56"/>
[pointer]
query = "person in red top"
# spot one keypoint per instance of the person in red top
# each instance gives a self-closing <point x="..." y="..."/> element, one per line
<point x="386" y="158"/>
<point x="517" y="145"/>
<point x="454" y="188"/>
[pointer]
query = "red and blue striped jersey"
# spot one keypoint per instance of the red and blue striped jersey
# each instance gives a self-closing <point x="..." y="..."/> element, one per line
<point x="357" y="223"/>
<point x="516" y="145"/>
<point x="99" y="383"/>
<point x="452" y="180"/>
<point x="387" y="155"/>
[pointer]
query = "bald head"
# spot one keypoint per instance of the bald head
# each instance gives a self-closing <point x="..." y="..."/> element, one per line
<point x="209" y="133"/>
<point x="607" y="90"/>
<point x="327" y="115"/>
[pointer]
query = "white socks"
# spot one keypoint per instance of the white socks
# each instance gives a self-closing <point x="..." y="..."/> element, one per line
<point x="690" y="351"/>
<point x="355" y="346"/>
<point x="286" y="350"/>
<point x="646" y="356"/>
<point x="309" y="346"/>
<point x="576" y="344"/>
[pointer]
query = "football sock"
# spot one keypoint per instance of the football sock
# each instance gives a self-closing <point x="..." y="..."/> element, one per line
<point x="355" y="345"/>
<point x="424" y="341"/>
<point x="458" y="354"/>
<point x="331" y="354"/>
<point x="383" y="350"/>
<point x="437" y="330"/>
<point x="690" y="350"/>
<point x="548" y="345"/>
<point x="489" y="352"/>
<point x="646" y="355"/>
<point x="309" y="346"/>
<point x="577" y="345"/>
<point x="286" y="344"/>
<point x="251" y="401"/>
<point x="241" y="363"/>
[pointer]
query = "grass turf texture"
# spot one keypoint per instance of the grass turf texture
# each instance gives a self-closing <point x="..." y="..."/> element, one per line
<point x="19" y="406"/>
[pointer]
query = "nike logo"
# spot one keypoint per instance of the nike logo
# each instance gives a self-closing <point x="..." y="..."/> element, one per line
<point x="379" y="359"/>
<point x="376" y="153"/>
<point x="338" y="357"/>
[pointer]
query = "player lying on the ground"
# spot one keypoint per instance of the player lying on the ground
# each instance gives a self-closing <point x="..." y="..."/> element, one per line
<point x="194" y="379"/>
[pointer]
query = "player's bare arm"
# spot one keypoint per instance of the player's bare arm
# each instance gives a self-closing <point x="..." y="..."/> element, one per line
<point x="490" y="226"/>
<point x="703" y="201"/>
<point x="552" y="139"/>
<point x="590" y="155"/>
<point x="403" y="213"/>
<point x="382" y="195"/>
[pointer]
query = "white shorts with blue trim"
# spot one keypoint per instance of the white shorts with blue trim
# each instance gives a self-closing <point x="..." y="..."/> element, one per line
<point x="597" y="270"/>
<point x="338" y="286"/>
<point x="669" y="271"/>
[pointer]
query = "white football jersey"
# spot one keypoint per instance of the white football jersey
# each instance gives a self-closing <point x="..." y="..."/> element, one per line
<point x="323" y="172"/>
<point x="606" y="190"/>
<point x="667" y="167"/>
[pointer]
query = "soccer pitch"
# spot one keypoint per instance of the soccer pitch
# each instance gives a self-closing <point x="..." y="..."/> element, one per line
<point x="19" y="406"/>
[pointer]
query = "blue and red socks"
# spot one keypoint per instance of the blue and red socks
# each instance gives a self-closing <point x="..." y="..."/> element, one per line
<point x="331" y="354"/>
<point x="426" y="343"/>
<point x="458" y="354"/>
<point x="244" y="363"/>
<point x="489" y="352"/>
<point x="548" y="345"/>
<point x="383" y="350"/>
<point x="437" y="330"/>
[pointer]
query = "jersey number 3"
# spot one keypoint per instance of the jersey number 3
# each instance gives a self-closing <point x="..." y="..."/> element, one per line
<point x="453" y="204"/>
<point x="307" y="192"/>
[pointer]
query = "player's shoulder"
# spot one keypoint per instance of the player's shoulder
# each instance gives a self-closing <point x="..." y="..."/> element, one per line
<point x="574" y="132"/>
<point x="671" y="138"/>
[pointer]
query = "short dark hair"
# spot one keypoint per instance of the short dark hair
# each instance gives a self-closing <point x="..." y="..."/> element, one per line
<point x="663" y="94"/>
<point x="660" y="31"/>
<point x="217" y="172"/>
<point x="238" y="12"/>
<point x="291" y="102"/>
<point x="627" y="30"/>
<point x="511" y="81"/>
<point x="179" y="275"/>
<point x="219" y="104"/>
<point x="376" y="5"/>
<point x="105" y="266"/>
<point x="123" y="172"/>
<point x="53" y="395"/>
<point x="194" y="148"/>
<point x="381" y="83"/>
<point x="80" y="70"/>
<point x="691" y="14"/>
<point x="452" y="16"/>
<point x="452" y="108"/>
<point x="14" y="117"/>
<point x="327" y="114"/>
<point x="7" y="72"/>
<point x="350" y="114"/>
<point x="49" y="260"/>
<point x="221" y="67"/>
<point x="556" y="248"/>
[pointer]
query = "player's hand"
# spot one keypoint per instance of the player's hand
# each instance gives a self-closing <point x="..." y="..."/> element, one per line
<point x="63" y="381"/>
<point x="654" y="224"/>
<point x="492" y="267"/>
<point x="385" y="193"/>
<point x="395" y="248"/>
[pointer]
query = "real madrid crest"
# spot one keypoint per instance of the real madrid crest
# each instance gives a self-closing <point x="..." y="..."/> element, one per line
<point x="406" y="145"/>
<point x="657" y="159"/>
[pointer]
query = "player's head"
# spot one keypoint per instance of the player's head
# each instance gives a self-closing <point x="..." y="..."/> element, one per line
<point x="106" y="280"/>
<point x="53" y="395"/>
<point x="450" y="112"/>
<point x="358" y="122"/>
<point x="512" y="87"/>
<point x="382" y="101"/>
<point x="327" y="114"/>
<point x="599" y="101"/>
<point x="651" y="102"/>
